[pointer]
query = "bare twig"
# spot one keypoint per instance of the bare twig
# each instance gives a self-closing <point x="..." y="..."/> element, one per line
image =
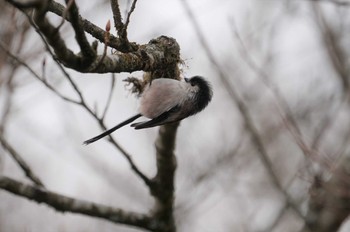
<point x="118" y="21"/>
<point x="203" y="177"/>
<point x="55" y="40"/>
<point x="17" y="59"/>
<point x="88" y="26"/>
<point x="325" y="125"/>
<point x="281" y="102"/>
<point x="68" y="204"/>
<point x="82" y="103"/>
<point x="132" y="8"/>
<point x="120" y="26"/>
<point x="133" y="166"/>
<point x="109" y="99"/>
<point x="20" y="161"/>
<point x="92" y="29"/>
<point x="106" y="42"/>
<point x="64" y="15"/>
<point x="307" y="150"/>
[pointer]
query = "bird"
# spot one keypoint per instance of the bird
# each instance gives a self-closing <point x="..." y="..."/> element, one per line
<point x="165" y="101"/>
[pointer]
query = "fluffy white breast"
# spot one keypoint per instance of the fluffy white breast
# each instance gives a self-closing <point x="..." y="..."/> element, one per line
<point x="162" y="95"/>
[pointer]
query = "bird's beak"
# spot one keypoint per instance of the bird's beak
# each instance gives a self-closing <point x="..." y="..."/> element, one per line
<point x="186" y="79"/>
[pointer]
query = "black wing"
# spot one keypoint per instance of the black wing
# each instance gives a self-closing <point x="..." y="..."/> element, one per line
<point x="157" y="121"/>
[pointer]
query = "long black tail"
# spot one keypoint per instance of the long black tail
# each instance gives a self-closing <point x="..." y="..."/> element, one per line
<point x="107" y="132"/>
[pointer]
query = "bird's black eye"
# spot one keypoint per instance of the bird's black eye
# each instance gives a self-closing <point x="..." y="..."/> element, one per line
<point x="193" y="84"/>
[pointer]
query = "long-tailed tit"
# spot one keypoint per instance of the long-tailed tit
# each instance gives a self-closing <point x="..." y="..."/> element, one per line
<point x="167" y="100"/>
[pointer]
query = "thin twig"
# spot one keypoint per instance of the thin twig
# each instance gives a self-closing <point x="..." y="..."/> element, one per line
<point x="308" y="151"/>
<point x="129" y="14"/>
<point x="325" y="125"/>
<point x="132" y="164"/>
<point x="95" y="65"/>
<point x="280" y="100"/>
<point x="20" y="161"/>
<point x="109" y="99"/>
<point x="64" y="15"/>
<point x="44" y="29"/>
<point x="17" y="59"/>
<point x="85" y="106"/>
<point x="90" y="28"/>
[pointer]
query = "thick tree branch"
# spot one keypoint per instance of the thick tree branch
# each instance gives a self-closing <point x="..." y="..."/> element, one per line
<point x="68" y="204"/>
<point x="91" y="28"/>
<point x="158" y="54"/>
<point x="88" y="26"/>
<point x="88" y="53"/>
<point x="52" y="36"/>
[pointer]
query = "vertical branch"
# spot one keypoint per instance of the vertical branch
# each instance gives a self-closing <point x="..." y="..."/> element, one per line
<point x="117" y="17"/>
<point x="53" y="37"/>
<point x="132" y="8"/>
<point x="163" y="182"/>
<point x="87" y="51"/>
<point x="120" y="26"/>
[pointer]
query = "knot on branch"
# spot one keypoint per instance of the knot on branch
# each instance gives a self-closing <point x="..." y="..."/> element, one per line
<point x="161" y="57"/>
